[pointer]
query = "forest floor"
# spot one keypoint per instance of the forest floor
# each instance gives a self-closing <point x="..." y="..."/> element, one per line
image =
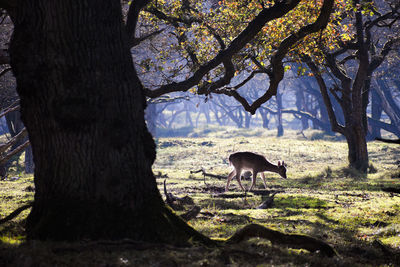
<point x="321" y="198"/>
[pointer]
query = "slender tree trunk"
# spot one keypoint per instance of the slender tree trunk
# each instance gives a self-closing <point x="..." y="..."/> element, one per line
<point x="264" y="117"/>
<point x="247" y="120"/>
<point x="302" y="105"/>
<point x="83" y="106"/>
<point x="188" y="115"/>
<point x="279" y="115"/>
<point x="376" y="112"/>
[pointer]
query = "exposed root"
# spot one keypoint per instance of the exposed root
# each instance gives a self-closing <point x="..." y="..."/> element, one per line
<point x="291" y="240"/>
<point x="15" y="213"/>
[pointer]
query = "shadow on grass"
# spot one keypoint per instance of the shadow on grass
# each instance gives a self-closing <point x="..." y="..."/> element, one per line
<point x="299" y="202"/>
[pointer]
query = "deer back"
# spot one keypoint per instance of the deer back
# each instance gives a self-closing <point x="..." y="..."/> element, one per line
<point x="249" y="161"/>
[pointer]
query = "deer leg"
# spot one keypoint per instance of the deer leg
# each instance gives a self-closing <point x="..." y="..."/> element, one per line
<point x="253" y="180"/>
<point x="238" y="174"/>
<point x="263" y="177"/>
<point x="230" y="176"/>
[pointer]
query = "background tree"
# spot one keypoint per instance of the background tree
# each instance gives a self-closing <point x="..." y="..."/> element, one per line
<point x="352" y="67"/>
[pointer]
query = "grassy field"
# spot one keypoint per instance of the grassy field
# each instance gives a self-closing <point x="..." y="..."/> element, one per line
<point x="321" y="198"/>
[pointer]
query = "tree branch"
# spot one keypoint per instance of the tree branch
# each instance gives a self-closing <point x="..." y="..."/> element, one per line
<point x="276" y="11"/>
<point x="10" y="109"/>
<point x="5" y="158"/>
<point x="325" y="96"/>
<point x="277" y="71"/>
<point x="385" y="126"/>
<point x="133" y="16"/>
<point x="301" y="114"/>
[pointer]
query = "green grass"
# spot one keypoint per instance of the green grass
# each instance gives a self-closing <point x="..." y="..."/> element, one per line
<point x="322" y="198"/>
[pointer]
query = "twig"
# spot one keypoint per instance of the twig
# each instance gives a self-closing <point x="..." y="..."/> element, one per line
<point x="209" y="174"/>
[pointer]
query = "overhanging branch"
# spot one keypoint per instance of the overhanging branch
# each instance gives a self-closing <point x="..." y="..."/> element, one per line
<point x="277" y="71"/>
<point x="252" y="29"/>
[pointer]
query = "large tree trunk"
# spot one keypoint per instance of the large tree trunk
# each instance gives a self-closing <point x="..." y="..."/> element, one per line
<point x="358" y="152"/>
<point x="83" y="106"/>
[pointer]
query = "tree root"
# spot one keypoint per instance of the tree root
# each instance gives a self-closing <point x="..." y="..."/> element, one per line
<point x="252" y="230"/>
<point x="291" y="240"/>
<point x="15" y="213"/>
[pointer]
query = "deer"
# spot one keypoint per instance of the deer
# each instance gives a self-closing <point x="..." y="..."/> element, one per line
<point x="254" y="163"/>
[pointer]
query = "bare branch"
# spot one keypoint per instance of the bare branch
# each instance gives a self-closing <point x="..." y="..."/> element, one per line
<point x="325" y="96"/>
<point x="245" y="81"/>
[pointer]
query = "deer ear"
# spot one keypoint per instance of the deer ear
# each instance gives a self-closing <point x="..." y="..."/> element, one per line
<point x="283" y="163"/>
<point x="279" y="163"/>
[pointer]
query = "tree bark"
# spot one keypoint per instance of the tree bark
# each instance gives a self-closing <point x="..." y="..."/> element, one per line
<point x="358" y="152"/>
<point x="83" y="106"/>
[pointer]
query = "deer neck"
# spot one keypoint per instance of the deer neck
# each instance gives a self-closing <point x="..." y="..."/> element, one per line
<point x="271" y="167"/>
